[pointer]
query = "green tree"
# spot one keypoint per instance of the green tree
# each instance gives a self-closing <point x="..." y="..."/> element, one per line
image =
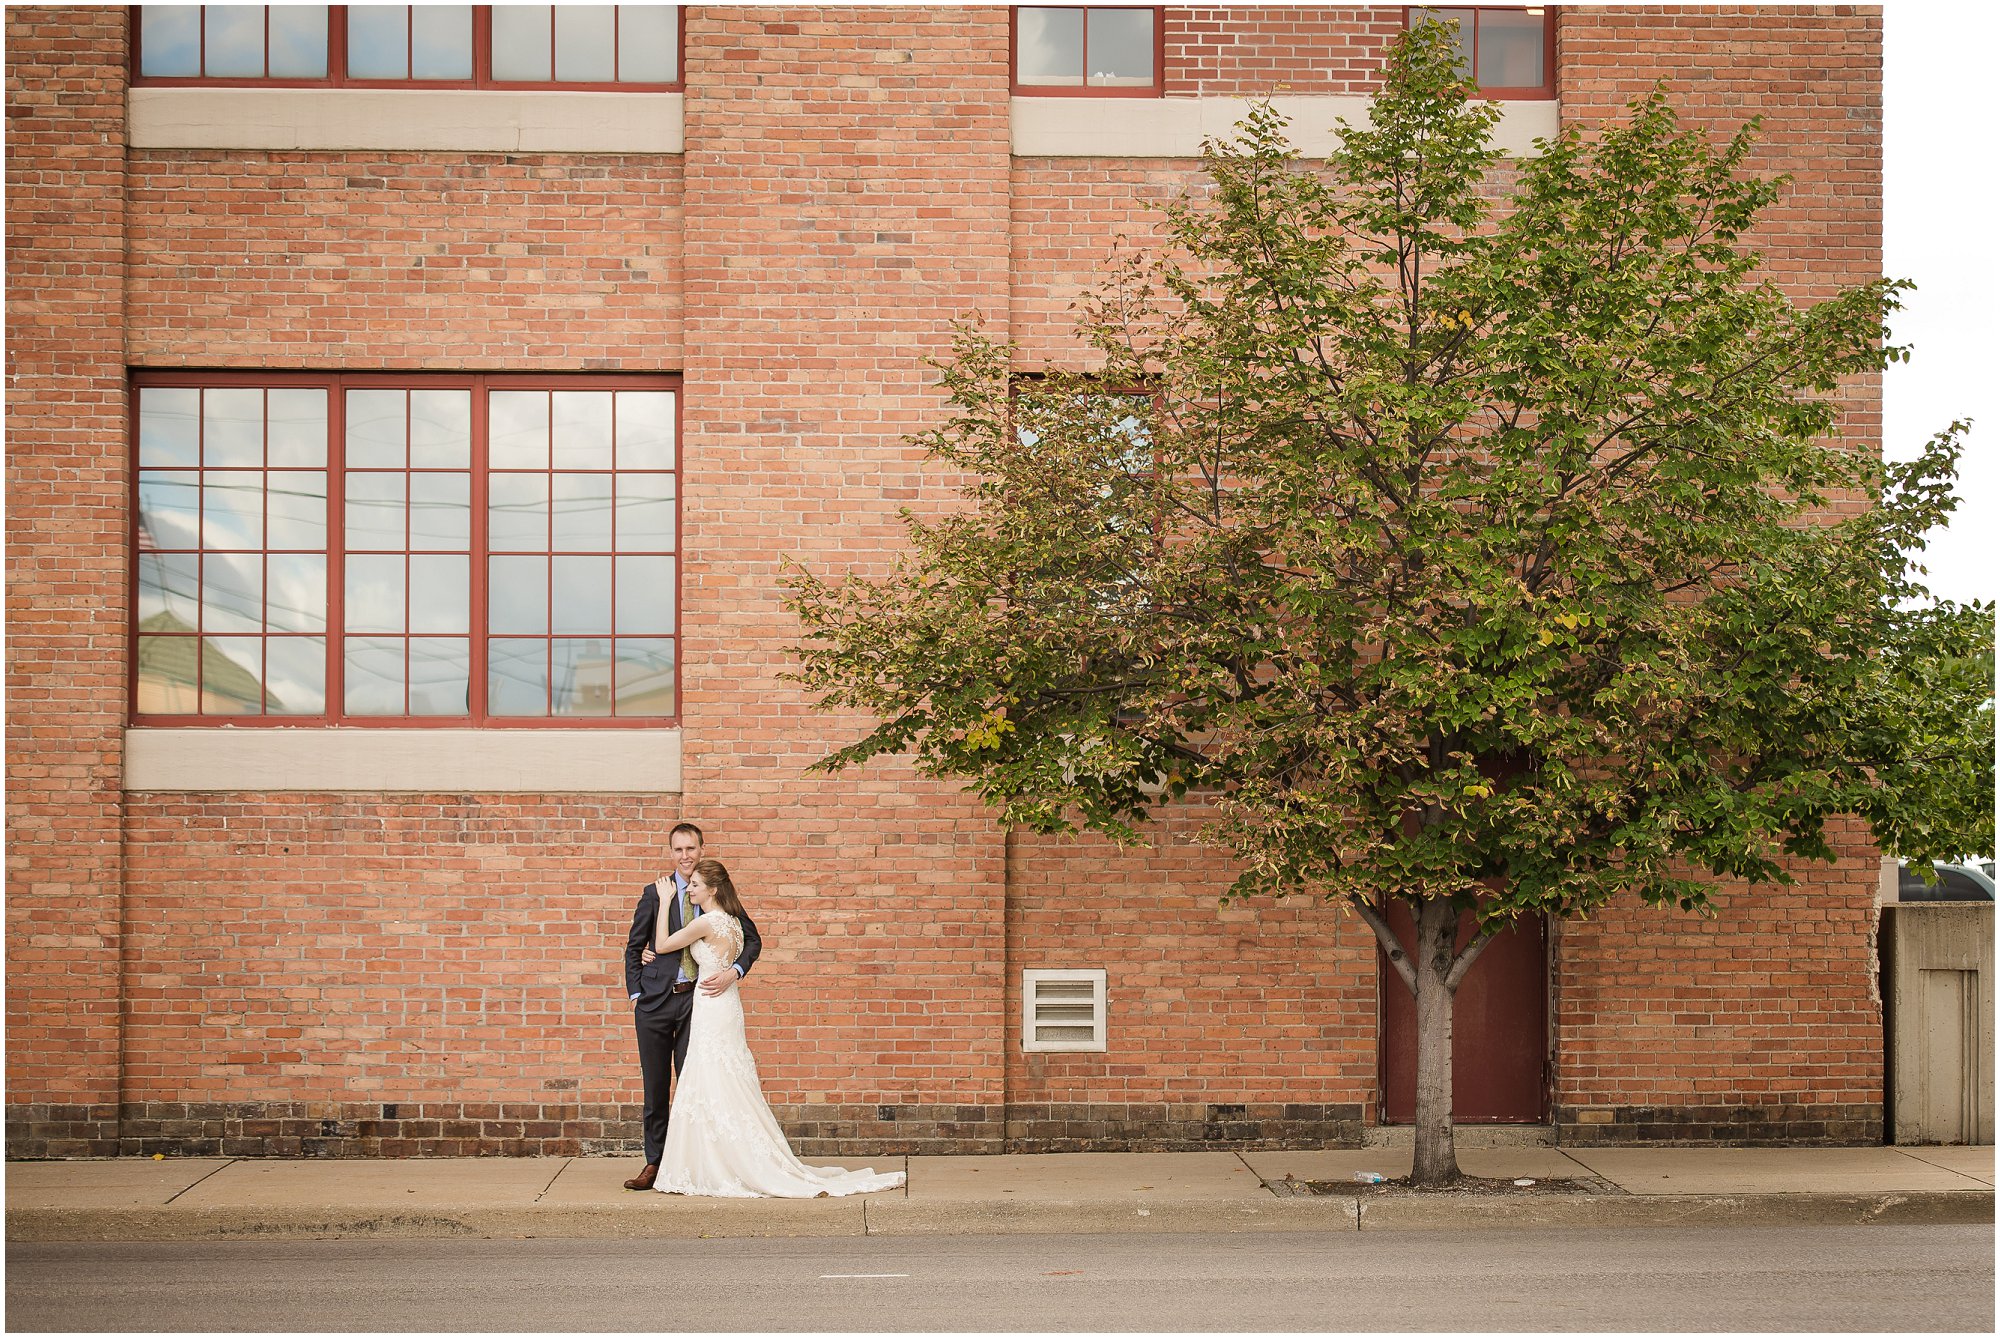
<point x="1476" y="552"/>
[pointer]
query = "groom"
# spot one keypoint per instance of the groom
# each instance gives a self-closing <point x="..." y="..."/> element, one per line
<point x="662" y="986"/>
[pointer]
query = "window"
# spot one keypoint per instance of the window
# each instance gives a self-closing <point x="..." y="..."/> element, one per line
<point x="1096" y="50"/>
<point x="1063" y="1010"/>
<point x="457" y="46"/>
<point x="1510" y="53"/>
<point x="448" y="549"/>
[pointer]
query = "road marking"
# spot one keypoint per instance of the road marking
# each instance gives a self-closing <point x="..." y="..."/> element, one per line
<point x="864" y="1275"/>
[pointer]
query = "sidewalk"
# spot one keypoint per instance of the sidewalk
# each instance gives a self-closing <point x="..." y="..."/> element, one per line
<point x="221" y="1198"/>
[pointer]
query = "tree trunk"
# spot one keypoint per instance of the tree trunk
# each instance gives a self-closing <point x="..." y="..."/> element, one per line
<point x="1437" y="932"/>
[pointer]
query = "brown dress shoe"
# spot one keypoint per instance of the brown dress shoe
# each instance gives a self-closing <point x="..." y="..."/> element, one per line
<point x="645" y="1178"/>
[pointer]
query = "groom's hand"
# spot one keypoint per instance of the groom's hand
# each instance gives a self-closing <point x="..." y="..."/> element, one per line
<point x="721" y="982"/>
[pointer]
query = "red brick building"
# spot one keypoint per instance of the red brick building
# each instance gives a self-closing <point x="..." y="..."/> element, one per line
<point x="409" y="420"/>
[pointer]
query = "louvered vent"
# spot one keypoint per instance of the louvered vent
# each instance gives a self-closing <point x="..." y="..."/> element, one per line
<point x="1062" y="1010"/>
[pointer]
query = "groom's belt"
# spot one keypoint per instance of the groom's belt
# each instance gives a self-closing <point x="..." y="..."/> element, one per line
<point x="681" y="987"/>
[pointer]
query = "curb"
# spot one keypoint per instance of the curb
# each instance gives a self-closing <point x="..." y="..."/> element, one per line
<point x="904" y="1217"/>
<point x="1915" y="1208"/>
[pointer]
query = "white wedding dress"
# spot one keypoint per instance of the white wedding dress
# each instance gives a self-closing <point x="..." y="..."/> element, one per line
<point x="722" y="1140"/>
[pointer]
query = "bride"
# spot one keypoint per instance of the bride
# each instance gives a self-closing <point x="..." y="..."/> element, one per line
<point x="722" y="1140"/>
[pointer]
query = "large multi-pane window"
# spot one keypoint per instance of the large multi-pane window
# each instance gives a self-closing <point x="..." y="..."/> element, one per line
<point x="446" y="549"/>
<point x="465" y="46"/>
<point x="1509" y="52"/>
<point x="1087" y="49"/>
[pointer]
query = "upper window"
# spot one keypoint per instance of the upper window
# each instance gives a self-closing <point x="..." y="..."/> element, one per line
<point x="1510" y="53"/>
<point x="445" y="549"/>
<point x="1087" y="49"/>
<point x="455" y="46"/>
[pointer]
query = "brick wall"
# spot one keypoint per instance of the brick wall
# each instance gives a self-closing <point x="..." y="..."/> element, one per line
<point x="1763" y="1022"/>
<point x="847" y="173"/>
<point x="1254" y="1021"/>
<point x="362" y="261"/>
<point x="1276" y="50"/>
<point x="350" y="974"/>
<point x="66" y="545"/>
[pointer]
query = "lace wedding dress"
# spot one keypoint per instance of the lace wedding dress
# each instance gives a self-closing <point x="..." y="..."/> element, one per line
<point x="722" y="1140"/>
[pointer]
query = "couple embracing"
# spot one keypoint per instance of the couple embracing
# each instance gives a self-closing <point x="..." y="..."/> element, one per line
<point x="691" y="942"/>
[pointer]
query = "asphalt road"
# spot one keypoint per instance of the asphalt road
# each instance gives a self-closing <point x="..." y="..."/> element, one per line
<point x="1826" y="1278"/>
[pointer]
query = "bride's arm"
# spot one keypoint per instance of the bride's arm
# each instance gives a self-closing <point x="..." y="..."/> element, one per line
<point x="696" y="928"/>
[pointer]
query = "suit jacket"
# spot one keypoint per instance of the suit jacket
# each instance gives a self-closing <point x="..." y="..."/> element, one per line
<point x="654" y="981"/>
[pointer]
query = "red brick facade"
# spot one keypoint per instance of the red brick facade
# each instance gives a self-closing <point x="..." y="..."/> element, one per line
<point x="393" y="973"/>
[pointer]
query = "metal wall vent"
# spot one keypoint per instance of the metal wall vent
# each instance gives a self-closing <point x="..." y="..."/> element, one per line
<point x="1062" y="1010"/>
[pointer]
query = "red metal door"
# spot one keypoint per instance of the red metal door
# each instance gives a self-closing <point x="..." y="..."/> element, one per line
<point x="1500" y="1029"/>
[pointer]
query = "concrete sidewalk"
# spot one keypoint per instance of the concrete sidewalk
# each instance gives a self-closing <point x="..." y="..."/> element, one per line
<point x="221" y="1198"/>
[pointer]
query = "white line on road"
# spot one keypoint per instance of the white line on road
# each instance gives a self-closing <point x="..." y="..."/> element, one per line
<point x="864" y="1275"/>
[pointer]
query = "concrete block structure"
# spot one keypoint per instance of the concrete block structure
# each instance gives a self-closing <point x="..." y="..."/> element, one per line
<point x="1937" y="982"/>
<point x="410" y="424"/>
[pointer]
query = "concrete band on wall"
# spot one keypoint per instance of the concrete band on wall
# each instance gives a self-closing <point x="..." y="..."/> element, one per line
<point x="483" y="121"/>
<point x="457" y="761"/>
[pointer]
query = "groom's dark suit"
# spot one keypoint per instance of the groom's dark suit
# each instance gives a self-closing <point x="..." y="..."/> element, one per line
<point x="660" y="1013"/>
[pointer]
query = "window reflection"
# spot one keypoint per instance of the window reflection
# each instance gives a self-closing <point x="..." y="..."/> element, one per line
<point x="517" y="512"/>
<point x="580" y="595"/>
<point x="232" y="509"/>
<point x="517" y="595"/>
<point x="375" y="514"/>
<point x="169" y="427"/>
<point x="1510" y="49"/>
<point x="1504" y="50"/>
<point x="375" y="671"/>
<point x="1087" y="46"/>
<point x="1119" y="47"/>
<point x="232" y="675"/>
<point x="297" y="41"/>
<point x="440" y="675"/>
<point x="645" y="429"/>
<point x="637" y="45"/>
<point x="295" y="592"/>
<point x="580" y="676"/>
<point x="648" y="44"/>
<point x="170" y="41"/>
<point x="233" y="41"/>
<point x="440" y="593"/>
<point x="645" y="594"/>
<point x="232" y="429"/>
<point x="1049" y="46"/>
<point x="582" y="506"/>
<point x="236" y="567"/>
<point x="295" y="675"/>
<point x="586" y="44"/>
<point x="517" y="679"/>
<point x="373" y="600"/>
<point x="409" y="42"/>
<point x="232" y="592"/>
<point x="645" y="510"/>
<point x="441" y="42"/>
<point x="295" y="428"/>
<point x="643" y="676"/>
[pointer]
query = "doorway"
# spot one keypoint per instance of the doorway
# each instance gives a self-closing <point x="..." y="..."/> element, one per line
<point x="1500" y="1028"/>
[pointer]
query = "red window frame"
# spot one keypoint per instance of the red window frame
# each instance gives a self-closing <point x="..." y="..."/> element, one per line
<point x="1156" y="89"/>
<point x="1544" y="91"/>
<point x="482" y="62"/>
<point x="478" y="715"/>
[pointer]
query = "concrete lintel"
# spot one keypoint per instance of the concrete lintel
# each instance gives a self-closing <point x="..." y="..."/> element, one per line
<point x="453" y="120"/>
<point x="446" y="761"/>
<point x="1175" y="127"/>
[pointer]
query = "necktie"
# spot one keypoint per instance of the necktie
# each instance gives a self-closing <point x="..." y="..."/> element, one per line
<point x="687" y="954"/>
